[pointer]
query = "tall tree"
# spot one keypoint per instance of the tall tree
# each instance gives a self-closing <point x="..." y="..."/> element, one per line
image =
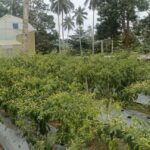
<point x="128" y="14"/>
<point x="46" y="36"/>
<point x="122" y="12"/>
<point x="61" y="7"/>
<point x="25" y="26"/>
<point x="16" y="8"/>
<point x="68" y="24"/>
<point x="92" y="5"/>
<point x="142" y="31"/>
<point x="80" y="14"/>
<point x="55" y="7"/>
<point x="13" y="7"/>
<point x="86" y="40"/>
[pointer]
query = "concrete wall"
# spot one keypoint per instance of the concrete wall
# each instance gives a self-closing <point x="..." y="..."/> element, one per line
<point x="15" y="50"/>
<point x="7" y="51"/>
<point x="6" y="27"/>
<point x="7" y="32"/>
<point x="31" y="42"/>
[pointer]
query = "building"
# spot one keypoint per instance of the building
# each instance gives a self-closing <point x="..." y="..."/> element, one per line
<point x="11" y="28"/>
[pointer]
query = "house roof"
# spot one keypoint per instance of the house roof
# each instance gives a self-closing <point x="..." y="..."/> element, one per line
<point x="7" y="17"/>
<point x="9" y="42"/>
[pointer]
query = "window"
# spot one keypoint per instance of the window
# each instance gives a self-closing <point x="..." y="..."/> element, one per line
<point x="15" y="26"/>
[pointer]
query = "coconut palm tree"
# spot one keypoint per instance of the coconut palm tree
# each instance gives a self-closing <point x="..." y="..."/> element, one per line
<point x="92" y="5"/>
<point x="80" y="14"/>
<point x="66" y="7"/>
<point x="61" y="7"/>
<point x="25" y="26"/>
<point x="68" y="24"/>
<point x="55" y="7"/>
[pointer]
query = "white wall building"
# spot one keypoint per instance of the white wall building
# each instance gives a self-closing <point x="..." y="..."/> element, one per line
<point x="11" y="28"/>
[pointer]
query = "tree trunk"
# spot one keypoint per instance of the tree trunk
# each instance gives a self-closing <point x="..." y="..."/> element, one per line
<point x="123" y="28"/>
<point x="59" y="27"/>
<point x="67" y="45"/>
<point x="128" y="32"/>
<point x="25" y="26"/>
<point x="93" y="40"/>
<point x="12" y="7"/>
<point x="68" y="37"/>
<point x="62" y="28"/>
<point x="86" y="84"/>
<point x="126" y="29"/>
<point x="112" y="46"/>
<point x="102" y="46"/>
<point x="81" y="52"/>
<point x="106" y="44"/>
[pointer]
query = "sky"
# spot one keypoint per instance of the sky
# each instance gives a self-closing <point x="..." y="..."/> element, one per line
<point x="87" y="22"/>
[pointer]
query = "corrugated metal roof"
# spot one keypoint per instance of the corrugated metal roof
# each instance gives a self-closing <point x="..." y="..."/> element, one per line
<point x="9" y="42"/>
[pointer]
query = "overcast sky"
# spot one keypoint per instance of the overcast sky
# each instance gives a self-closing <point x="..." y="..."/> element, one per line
<point x="78" y="3"/>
